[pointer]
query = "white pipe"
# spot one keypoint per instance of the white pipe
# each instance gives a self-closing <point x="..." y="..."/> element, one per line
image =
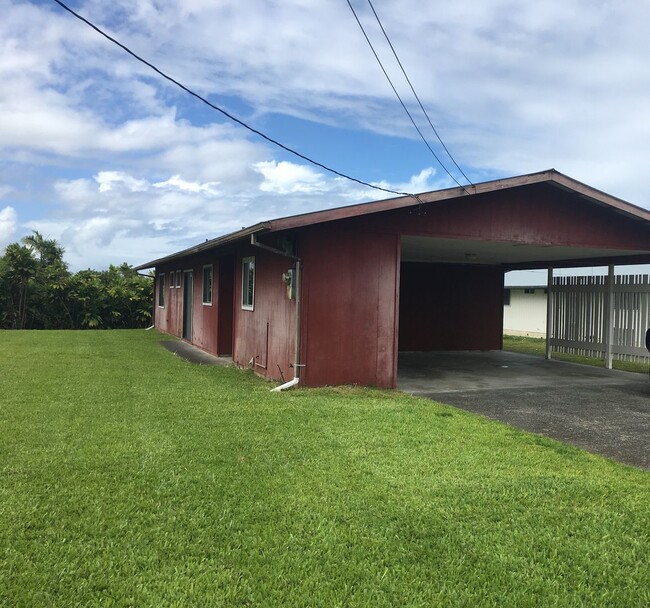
<point x="298" y="291"/>
<point x="286" y="385"/>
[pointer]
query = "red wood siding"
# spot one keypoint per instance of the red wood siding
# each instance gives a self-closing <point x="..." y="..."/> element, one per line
<point x="205" y="318"/>
<point x="535" y="215"/>
<point x="349" y="306"/>
<point x="450" y="307"/>
<point x="166" y="318"/>
<point x="224" y="297"/>
<point x="265" y="334"/>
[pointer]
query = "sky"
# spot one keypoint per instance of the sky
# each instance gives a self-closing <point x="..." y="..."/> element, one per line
<point x="119" y="165"/>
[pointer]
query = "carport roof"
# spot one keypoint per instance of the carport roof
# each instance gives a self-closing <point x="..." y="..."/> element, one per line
<point x="550" y="177"/>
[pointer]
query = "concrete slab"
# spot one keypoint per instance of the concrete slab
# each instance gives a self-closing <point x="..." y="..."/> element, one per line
<point x="193" y="354"/>
<point x="604" y="411"/>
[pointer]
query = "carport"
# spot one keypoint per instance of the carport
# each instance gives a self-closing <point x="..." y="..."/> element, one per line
<point x="451" y="311"/>
<point x="603" y="411"/>
<point x="454" y="257"/>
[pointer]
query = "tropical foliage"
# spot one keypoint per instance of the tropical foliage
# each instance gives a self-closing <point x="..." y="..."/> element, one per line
<point x="38" y="291"/>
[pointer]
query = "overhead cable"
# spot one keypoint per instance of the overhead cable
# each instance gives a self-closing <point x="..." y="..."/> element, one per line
<point x="224" y="112"/>
<point x="383" y="69"/>
<point x="442" y="143"/>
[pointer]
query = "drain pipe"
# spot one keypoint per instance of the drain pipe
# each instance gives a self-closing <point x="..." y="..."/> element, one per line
<point x="296" y="357"/>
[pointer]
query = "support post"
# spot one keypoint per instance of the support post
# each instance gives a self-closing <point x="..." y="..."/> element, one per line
<point x="609" y="317"/>
<point x="549" y="312"/>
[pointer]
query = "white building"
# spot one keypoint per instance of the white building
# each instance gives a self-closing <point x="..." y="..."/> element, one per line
<point x="524" y="311"/>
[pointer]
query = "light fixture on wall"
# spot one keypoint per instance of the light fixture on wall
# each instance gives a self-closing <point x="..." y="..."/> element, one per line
<point x="287" y="278"/>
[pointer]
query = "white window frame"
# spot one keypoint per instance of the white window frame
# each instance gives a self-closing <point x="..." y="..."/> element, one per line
<point x="207" y="302"/>
<point x="171" y="280"/>
<point x="179" y="274"/>
<point x="246" y="263"/>
<point x="161" y="289"/>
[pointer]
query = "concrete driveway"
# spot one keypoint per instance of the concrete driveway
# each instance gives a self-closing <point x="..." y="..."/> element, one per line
<point x="603" y="411"/>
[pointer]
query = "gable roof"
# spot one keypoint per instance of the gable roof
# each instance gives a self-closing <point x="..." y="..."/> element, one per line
<point x="550" y="177"/>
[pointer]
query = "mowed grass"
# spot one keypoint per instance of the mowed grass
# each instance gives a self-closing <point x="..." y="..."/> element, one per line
<point x="132" y="478"/>
<point x="537" y="346"/>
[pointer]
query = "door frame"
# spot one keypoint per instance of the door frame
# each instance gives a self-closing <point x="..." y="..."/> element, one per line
<point x="188" y="304"/>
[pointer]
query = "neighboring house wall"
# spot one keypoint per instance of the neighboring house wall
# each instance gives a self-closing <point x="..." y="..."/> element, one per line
<point x="450" y="307"/>
<point x="525" y="314"/>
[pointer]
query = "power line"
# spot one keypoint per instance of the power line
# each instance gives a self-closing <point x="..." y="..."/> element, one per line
<point x="442" y="143"/>
<point x="381" y="65"/>
<point x="224" y="112"/>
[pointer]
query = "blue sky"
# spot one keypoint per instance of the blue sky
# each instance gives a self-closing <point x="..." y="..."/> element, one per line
<point x="118" y="165"/>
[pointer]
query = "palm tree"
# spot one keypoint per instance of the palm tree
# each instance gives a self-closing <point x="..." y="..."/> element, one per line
<point x="18" y="271"/>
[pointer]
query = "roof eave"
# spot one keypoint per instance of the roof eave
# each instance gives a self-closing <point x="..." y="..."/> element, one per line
<point x="226" y="239"/>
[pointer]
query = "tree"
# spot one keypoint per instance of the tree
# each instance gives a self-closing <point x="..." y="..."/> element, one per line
<point x="38" y="291"/>
<point x="17" y="271"/>
<point x="48" y="289"/>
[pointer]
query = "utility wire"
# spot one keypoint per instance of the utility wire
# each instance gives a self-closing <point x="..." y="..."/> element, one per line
<point x="442" y="143"/>
<point x="227" y="114"/>
<point x="381" y="65"/>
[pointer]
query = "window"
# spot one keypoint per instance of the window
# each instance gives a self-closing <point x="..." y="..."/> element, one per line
<point x="248" y="283"/>
<point x="178" y="278"/>
<point x="161" y="290"/>
<point x="529" y="290"/>
<point x="506" y="297"/>
<point x="171" y="280"/>
<point x="207" y="284"/>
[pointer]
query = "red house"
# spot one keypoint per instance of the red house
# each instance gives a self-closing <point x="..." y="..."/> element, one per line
<point x="332" y="297"/>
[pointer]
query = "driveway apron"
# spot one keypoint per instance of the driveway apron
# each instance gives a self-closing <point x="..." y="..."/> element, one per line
<point x="603" y="411"/>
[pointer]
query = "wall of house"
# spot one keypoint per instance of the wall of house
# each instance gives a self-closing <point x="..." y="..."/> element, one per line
<point x="350" y="279"/>
<point x="166" y="317"/>
<point x="225" y="299"/>
<point x="353" y="302"/>
<point x="450" y="307"/>
<point x="265" y="335"/>
<point x="525" y="313"/>
<point x="533" y="215"/>
<point x="206" y="332"/>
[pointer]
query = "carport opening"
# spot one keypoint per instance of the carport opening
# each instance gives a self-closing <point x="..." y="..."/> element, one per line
<point x="448" y="300"/>
<point x="451" y="299"/>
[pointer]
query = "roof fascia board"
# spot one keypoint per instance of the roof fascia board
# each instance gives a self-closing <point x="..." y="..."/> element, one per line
<point x="601" y="197"/>
<point x="317" y="217"/>
<point x="550" y="176"/>
<point x="206" y="245"/>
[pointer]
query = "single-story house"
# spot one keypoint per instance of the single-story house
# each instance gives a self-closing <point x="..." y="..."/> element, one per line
<point x="332" y="297"/>
<point x="524" y="310"/>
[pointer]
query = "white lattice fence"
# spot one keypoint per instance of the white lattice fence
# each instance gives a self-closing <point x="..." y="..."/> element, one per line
<point x="586" y="311"/>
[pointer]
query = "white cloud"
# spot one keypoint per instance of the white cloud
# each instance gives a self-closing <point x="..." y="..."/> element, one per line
<point x="114" y="160"/>
<point x="116" y="215"/>
<point x="111" y="180"/>
<point x="8" y="224"/>
<point x="175" y="182"/>
<point x="285" y="178"/>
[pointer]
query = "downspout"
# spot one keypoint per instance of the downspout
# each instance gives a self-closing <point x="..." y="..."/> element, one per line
<point x="296" y="359"/>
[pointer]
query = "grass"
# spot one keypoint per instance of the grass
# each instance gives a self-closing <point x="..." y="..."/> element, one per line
<point x="537" y="346"/>
<point x="129" y="477"/>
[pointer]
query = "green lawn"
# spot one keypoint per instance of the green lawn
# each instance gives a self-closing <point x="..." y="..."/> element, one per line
<point x="537" y="346"/>
<point x="129" y="477"/>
